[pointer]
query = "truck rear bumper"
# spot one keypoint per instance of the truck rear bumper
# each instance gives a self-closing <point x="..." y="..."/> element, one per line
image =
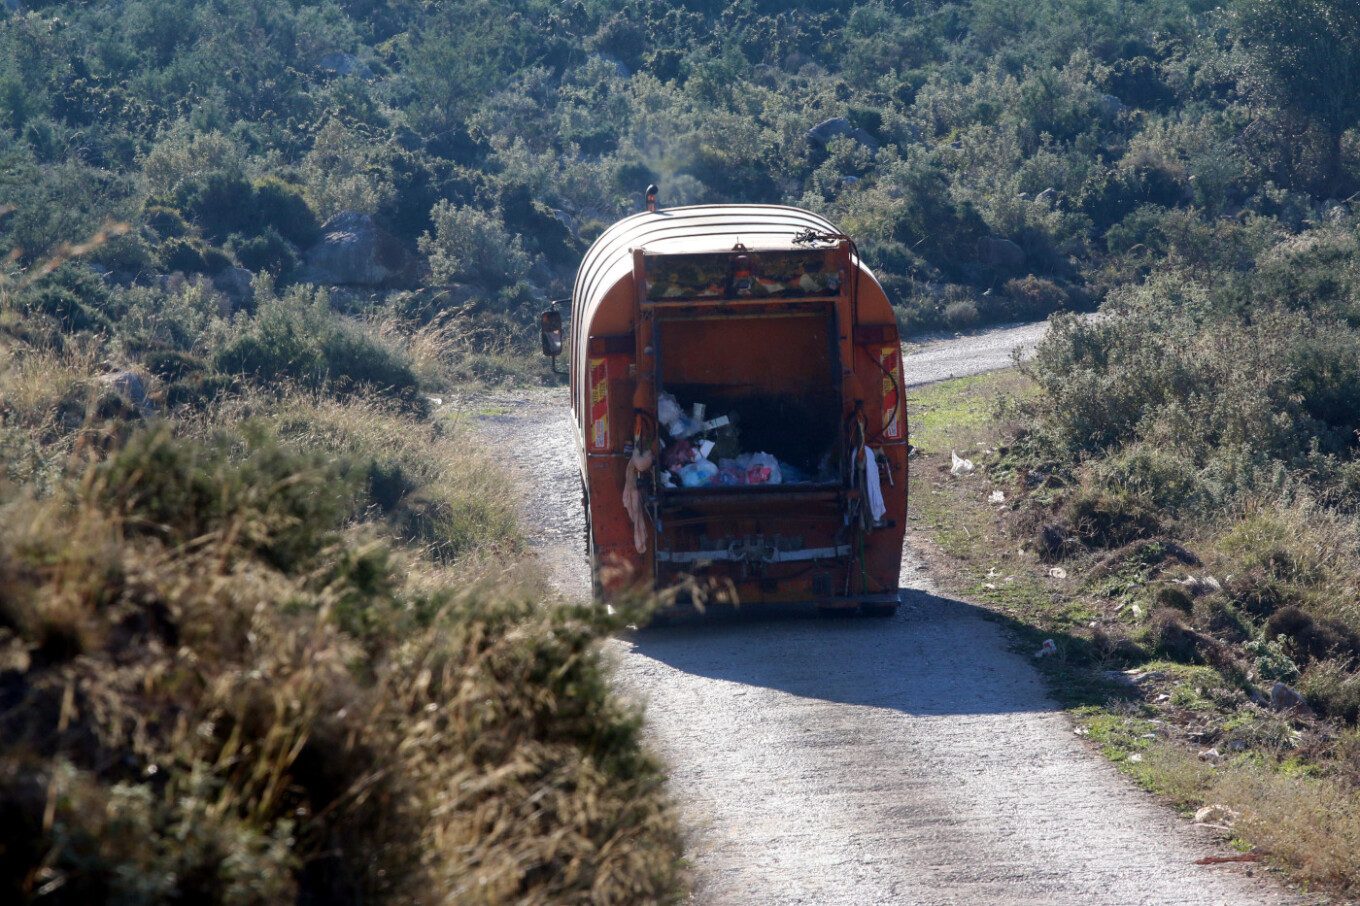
<point x="683" y="604"/>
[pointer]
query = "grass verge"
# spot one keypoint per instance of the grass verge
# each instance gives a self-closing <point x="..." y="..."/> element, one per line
<point x="1159" y="660"/>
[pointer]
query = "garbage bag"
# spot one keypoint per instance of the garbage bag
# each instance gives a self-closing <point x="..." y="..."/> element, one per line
<point x="730" y="476"/>
<point x="685" y="426"/>
<point x="678" y="455"/>
<point x="667" y="410"/>
<point x="761" y="468"/>
<point x="698" y="473"/>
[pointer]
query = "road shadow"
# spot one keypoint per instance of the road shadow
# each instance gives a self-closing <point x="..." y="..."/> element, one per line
<point x="937" y="656"/>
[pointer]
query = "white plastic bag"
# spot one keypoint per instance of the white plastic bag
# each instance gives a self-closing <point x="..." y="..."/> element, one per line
<point x="698" y="474"/>
<point x="667" y="409"/>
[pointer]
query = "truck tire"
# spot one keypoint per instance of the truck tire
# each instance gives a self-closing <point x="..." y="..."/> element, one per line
<point x="593" y="564"/>
<point x="596" y="589"/>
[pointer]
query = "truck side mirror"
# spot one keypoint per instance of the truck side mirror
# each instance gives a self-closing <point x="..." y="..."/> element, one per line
<point x="550" y="329"/>
<point x="550" y="323"/>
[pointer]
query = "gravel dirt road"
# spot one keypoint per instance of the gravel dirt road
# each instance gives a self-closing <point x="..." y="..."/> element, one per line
<point x="916" y="760"/>
<point x="940" y="360"/>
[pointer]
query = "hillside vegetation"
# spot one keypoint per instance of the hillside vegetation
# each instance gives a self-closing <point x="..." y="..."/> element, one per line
<point x="993" y="160"/>
<point x="265" y="634"/>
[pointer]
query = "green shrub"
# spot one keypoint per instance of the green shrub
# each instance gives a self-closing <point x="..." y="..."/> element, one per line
<point x="961" y="313"/>
<point x="1032" y="298"/>
<point x="222" y="204"/>
<point x="268" y="251"/>
<point x="219" y="203"/>
<point x="1168" y="636"/>
<point x="1173" y="597"/>
<point x="352" y="357"/>
<point x="474" y="246"/>
<point x="182" y="255"/>
<point x="1272" y="663"/>
<point x="282" y="507"/>
<point x="1221" y="618"/>
<point x="166" y="221"/>
<point x="266" y="716"/>
<point x="172" y="365"/>
<point x="65" y="307"/>
<point x="281" y="209"/>
<point x="1105" y="518"/>
<point x="198" y="390"/>
<point x="1165" y="478"/>
<point x="1307" y="638"/>
<point x="1261" y="594"/>
<point x="298" y="340"/>
<point x="1333" y="689"/>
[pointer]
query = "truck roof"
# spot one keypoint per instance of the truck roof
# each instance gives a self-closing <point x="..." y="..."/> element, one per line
<point x="699" y="228"/>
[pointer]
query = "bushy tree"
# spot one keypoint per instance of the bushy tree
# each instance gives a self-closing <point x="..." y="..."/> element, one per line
<point x="1309" y="51"/>
<point x="473" y="246"/>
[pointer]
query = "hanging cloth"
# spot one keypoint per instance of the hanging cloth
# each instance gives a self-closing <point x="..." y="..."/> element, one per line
<point x="871" y="485"/>
<point x="641" y="461"/>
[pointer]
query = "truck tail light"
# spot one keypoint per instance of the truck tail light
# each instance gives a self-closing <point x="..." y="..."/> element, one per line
<point x="599" y="403"/>
<point x="890" y="360"/>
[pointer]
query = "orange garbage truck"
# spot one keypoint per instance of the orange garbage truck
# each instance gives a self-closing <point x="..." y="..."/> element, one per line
<point x="737" y="405"/>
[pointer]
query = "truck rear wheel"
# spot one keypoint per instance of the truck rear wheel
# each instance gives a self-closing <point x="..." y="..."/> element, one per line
<point x="592" y="564"/>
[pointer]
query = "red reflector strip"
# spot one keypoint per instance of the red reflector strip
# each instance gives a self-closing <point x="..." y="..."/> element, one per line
<point x="890" y="357"/>
<point x="599" y="404"/>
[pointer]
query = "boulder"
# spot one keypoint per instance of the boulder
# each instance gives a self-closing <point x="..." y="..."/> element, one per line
<point x="1000" y="252"/>
<point x="1110" y="106"/>
<point x="352" y="251"/>
<point x="339" y="63"/>
<point x="619" y="66"/>
<point x="1283" y="698"/>
<point x="1049" y="194"/>
<point x="236" y="283"/>
<point x="129" y="386"/>
<point x="822" y="134"/>
<point x="407" y="139"/>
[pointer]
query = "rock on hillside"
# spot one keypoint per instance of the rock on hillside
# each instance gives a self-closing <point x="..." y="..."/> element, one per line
<point x="354" y="252"/>
<point x="822" y="133"/>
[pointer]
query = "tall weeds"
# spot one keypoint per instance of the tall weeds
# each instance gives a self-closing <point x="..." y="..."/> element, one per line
<point x="193" y="707"/>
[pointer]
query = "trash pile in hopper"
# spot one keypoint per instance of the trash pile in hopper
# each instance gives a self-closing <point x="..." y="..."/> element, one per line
<point x="703" y="452"/>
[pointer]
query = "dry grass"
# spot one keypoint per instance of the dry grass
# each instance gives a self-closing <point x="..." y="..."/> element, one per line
<point x="202" y="696"/>
<point x="1311" y="824"/>
<point x="272" y="646"/>
<point x="460" y="348"/>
